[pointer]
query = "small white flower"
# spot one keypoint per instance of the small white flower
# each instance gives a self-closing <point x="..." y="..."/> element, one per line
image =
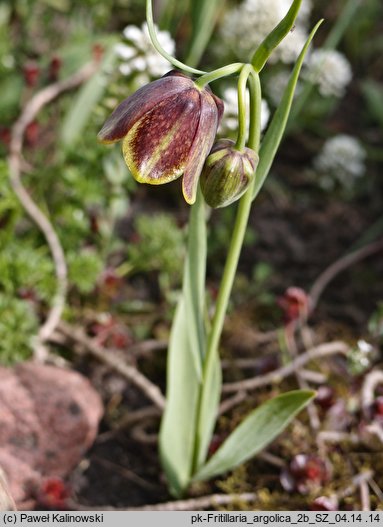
<point x="230" y="117"/>
<point x="245" y="26"/>
<point x="125" y="52"/>
<point x="365" y="347"/>
<point x="291" y="46"/>
<point x="342" y="158"/>
<point x="138" y="55"/>
<point x="330" y="70"/>
<point x="277" y="84"/>
<point x="134" y="34"/>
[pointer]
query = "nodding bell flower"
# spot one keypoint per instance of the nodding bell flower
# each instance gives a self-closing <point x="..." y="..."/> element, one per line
<point x="168" y="128"/>
<point x="227" y="173"/>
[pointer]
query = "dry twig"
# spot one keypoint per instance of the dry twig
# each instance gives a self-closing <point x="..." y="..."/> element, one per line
<point x="7" y="503"/>
<point x="276" y="376"/>
<point x="371" y="381"/>
<point x="15" y="160"/>
<point x="193" y="504"/>
<point x="106" y="356"/>
<point x="365" y="495"/>
<point x="340" y="265"/>
<point x="356" y="481"/>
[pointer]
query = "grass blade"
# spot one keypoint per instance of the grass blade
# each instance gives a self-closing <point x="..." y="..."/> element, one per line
<point x="84" y="103"/>
<point x="274" y="38"/>
<point x="274" y="134"/>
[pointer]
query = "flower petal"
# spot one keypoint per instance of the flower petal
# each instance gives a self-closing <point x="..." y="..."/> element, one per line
<point x="143" y="100"/>
<point x="157" y="147"/>
<point x="203" y="141"/>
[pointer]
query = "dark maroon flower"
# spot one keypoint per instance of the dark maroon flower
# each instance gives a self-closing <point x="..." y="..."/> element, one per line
<point x="168" y="128"/>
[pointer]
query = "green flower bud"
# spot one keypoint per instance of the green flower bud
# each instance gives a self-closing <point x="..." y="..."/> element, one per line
<point x="168" y="128"/>
<point x="227" y="173"/>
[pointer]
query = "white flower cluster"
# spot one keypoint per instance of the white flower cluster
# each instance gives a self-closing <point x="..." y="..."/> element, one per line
<point x="138" y="55"/>
<point x="277" y="84"/>
<point x="245" y="26"/>
<point x="230" y="117"/>
<point x="342" y="159"/>
<point x="330" y="70"/>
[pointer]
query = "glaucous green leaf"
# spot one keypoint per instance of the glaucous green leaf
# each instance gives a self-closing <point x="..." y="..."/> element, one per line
<point x="184" y="366"/>
<point x="274" y="134"/>
<point x="210" y="397"/>
<point x="256" y="431"/>
<point x="274" y="38"/>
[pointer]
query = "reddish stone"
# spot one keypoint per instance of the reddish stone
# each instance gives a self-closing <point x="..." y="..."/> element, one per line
<point x="48" y="419"/>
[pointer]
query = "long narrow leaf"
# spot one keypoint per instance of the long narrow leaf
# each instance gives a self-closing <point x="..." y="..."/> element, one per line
<point x="177" y="431"/>
<point x="210" y="397"/>
<point x="255" y="432"/>
<point x="274" y="134"/>
<point x="84" y="103"/>
<point x="274" y="38"/>
<point x="204" y="15"/>
<point x="186" y="349"/>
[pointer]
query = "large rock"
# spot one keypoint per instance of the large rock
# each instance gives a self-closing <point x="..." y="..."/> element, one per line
<point x="48" y="419"/>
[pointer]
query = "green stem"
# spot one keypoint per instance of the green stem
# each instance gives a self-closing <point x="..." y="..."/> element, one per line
<point x="242" y="114"/>
<point x="225" y="71"/>
<point x="159" y="48"/>
<point x="255" y="112"/>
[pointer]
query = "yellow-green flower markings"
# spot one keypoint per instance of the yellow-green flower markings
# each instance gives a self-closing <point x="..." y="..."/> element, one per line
<point x="167" y="128"/>
<point x="227" y="173"/>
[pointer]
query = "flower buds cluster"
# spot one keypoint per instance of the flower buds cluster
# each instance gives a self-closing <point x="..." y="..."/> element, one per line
<point x="227" y="173"/>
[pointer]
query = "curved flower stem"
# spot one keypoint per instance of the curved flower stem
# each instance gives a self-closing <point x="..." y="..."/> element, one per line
<point x="255" y="111"/>
<point x="159" y="48"/>
<point x="242" y="118"/>
<point x="225" y="71"/>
